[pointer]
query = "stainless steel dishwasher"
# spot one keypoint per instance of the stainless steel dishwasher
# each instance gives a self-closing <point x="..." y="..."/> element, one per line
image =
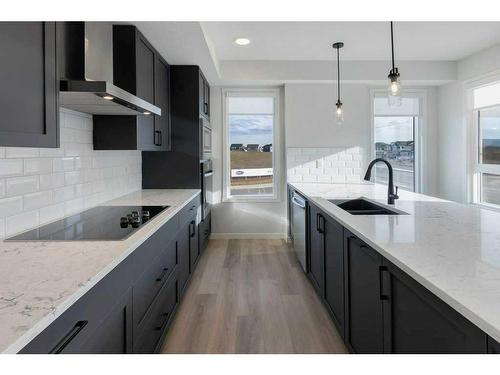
<point x="299" y="212"/>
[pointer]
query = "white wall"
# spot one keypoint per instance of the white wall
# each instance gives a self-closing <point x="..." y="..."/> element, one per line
<point x="452" y="143"/>
<point x="237" y="219"/>
<point x="39" y="185"/>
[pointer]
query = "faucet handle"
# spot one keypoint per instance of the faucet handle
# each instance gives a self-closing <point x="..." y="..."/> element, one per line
<point x="396" y="196"/>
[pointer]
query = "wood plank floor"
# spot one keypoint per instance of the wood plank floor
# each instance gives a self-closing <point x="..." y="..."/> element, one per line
<point x="251" y="296"/>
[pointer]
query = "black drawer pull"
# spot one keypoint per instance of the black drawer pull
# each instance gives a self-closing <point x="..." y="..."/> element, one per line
<point x="162" y="275"/>
<point x="164" y="321"/>
<point x="65" y="341"/>
<point x="192" y="225"/>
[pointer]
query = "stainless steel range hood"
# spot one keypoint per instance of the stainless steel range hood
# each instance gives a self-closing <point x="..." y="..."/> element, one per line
<point x="86" y="66"/>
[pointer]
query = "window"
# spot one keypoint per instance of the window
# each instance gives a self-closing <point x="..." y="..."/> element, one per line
<point x="487" y="156"/>
<point x="395" y="139"/>
<point x="251" y="134"/>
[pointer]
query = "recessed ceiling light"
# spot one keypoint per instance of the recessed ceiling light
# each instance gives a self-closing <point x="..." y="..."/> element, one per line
<point x="147" y="113"/>
<point x="108" y="97"/>
<point x="242" y="41"/>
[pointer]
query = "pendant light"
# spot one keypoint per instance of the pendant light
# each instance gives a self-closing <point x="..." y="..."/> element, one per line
<point x="339" y="111"/>
<point x="394" y="81"/>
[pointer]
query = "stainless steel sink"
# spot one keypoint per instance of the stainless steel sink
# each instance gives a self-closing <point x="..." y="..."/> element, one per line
<point x="362" y="206"/>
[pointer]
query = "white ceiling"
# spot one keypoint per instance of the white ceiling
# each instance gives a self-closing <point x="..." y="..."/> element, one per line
<point x="363" y="40"/>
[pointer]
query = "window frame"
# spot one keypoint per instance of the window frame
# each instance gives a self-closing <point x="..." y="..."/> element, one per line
<point x="418" y="129"/>
<point x="226" y="175"/>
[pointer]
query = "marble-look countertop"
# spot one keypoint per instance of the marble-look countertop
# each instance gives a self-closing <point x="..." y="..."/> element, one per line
<point x="452" y="249"/>
<point x="39" y="280"/>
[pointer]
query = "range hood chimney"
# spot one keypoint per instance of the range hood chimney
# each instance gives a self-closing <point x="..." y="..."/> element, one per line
<point x="86" y="71"/>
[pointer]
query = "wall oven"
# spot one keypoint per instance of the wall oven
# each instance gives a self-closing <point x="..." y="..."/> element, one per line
<point x="206" y="136"/>
<point x="206" y="186"/>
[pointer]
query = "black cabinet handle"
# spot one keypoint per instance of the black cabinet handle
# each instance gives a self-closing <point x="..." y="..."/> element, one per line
<point x="65" y="341"/>
<point x="162" y="274"/>
<point x="161" y="138"/>
<point x="320" y="221"/>
<point x="382" y="270"/>
<point x="157" y="132"/>
<point x="192" y="225"/>
<point x="205" y="108"/>
<point x="164" y="320"/>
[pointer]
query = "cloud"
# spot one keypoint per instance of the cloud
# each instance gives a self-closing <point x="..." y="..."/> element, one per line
<point x="250" y="125"/>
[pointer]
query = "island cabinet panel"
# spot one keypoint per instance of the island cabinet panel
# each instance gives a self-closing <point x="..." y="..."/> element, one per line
<point x="493" y="346"/>
<point x="29" y="89"/>
<point x="363" y="310"/>
<point x="316" y="248"/>
<point x="334" y="271"/>
<point x="417" y="321"/>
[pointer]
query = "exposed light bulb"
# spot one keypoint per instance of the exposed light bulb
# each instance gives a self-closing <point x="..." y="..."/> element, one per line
<point x="339" y="113"/>
<point x="394" y="89"/>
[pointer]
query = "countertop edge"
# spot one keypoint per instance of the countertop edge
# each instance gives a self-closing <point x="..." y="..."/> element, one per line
<point x="43" y="323"/>
<point x="445" y="297"/>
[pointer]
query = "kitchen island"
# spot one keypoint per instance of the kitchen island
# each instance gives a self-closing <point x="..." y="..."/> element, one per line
<point x="451" y="249"/>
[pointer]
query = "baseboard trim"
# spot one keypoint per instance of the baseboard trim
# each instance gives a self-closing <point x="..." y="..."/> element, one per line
<point x="248" y="236"/>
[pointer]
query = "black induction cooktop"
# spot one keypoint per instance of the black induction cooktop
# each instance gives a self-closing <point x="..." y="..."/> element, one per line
<point x="102" y="223"/>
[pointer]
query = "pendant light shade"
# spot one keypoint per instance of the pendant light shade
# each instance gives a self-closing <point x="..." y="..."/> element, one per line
<point x="394" y="90"/>
<point x="339" y="112"/>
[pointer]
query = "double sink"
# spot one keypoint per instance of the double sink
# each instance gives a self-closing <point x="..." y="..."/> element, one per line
<point x="362" y="206"/>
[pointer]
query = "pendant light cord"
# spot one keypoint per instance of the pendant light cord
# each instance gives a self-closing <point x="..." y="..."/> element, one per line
<point x="338" y="75"/>
<point x="392" y="46"/>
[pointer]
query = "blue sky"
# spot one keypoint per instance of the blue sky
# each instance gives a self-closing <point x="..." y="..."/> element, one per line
<point x="251" y="129"/>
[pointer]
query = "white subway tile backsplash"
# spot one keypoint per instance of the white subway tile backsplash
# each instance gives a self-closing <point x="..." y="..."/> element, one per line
<point x="37" y="166"/>
<point x="11" y="206"/>
<point x="20" y="222"/>
<point x="37" y="200"/>
<point x="51" y="181"/>
<point x="42" y="185"/>
<point x="11" y="167"/>
<point x="16" y="186"/>
<point x="324" y="165"/>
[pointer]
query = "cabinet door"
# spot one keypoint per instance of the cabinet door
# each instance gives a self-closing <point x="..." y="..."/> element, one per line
<point x="334" y="271"/>
<point x="194" y="249"/>
<point x="493" y="346"/>
<point x="316" y="247"/>
<point x="363" y="311"/>
<point x="29" y="85"/>
<point x="417" y="321"/>
<point x="201" y="97"/>
<point x="114" y="335"/>
<point x="207" y="99"/>
<point x="162" y="100"/>
<point x="183" y="257"/>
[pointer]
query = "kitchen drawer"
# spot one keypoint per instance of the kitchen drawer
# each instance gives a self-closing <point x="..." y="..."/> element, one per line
<point x="150" y="283"/>
<point x="157" y="318"/>
<point x="187" y="212"/>
<point x="154" y="246"/>
<point x="77" y="326"/>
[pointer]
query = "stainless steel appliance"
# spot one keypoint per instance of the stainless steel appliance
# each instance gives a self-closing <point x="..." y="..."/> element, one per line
<point x="206" y="136"/>
<point x="299" y="210"/>
<point x="206" y="186"/>
<point x="99" y="223"/>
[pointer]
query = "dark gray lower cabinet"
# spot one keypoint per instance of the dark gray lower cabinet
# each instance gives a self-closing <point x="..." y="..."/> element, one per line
<point x="363" y="310"/>
<point x="493" y="346"/>
<point x="416" y="321"/>
<point x="334" y="271"/>
<point x="316" y="248"/>
<point x="130" y="309"/>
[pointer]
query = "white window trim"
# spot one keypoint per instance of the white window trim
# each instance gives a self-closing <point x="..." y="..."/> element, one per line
<point x="277" y="167"/>
<point x="474" y="168"/>
<point x="420" y="130"/>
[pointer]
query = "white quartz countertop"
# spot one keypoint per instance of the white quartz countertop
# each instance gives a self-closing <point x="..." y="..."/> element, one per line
<point x="452" y="249"/>
<point x="40" y="280"/>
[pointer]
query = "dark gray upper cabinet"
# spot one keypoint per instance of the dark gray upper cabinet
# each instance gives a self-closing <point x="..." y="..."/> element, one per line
<point x="204" y="97"/>
<point x="29" y="89"/>
<point x="416" y="321"/>
<point x="363" y="304"/>
<point x="493" y="346"/>
<point x="139" y="69"/>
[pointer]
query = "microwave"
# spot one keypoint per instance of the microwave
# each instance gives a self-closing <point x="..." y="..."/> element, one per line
<point x="206" y="136"/>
